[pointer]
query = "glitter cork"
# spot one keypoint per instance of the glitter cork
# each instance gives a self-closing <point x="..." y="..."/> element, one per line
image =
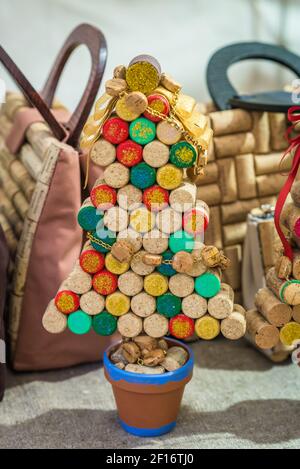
<point x="105" y="282"/>
<point x="208" y="284"/>
<point x="181" y="326"/>
<point x="114" y="266"/>
<point x="158" y="103"/>
<point x="129" y="153"/>
<point x="207" y="328"/>
<point x="142" y="131"/>
<point x="117" y="304"/>
<point x="88" y="216"/>
<point x="155" y="198"/>
<point x="181" y="241"/>
<point x="115" y="130"/>
<point x="143" y="74"/>
<point x="168" y="304"/>
<point x="91" y="261"/>
<point x="183" y="154"/>
<point x="167" y="269"/>
<point x="155" y="284"/>
<point x="142" y="176"/>
<point x="66" y="301"/>
<point x="103" y="196"/>
<point x="289" y="333"/>
<point x="169" y="176"/>
<point x="102" y="238"/>
<point x="104" y="323"/>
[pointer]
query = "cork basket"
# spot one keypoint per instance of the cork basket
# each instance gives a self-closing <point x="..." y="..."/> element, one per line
<point x="243" y="168"/>
<point x="148" y="405"/>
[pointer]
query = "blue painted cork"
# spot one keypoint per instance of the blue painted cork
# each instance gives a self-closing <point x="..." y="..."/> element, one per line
<point x="142" y="176"/>
<point x="166" y="269"/>
<point x="102" y="235"/>
<point x="207" y="285"/>
<point x="104" y="323"/>
<point x="168" y="304"/>
<point x="142" y="131"/>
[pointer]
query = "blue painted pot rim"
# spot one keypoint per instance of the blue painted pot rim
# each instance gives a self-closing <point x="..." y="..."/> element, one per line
<point x="171" y="376"/>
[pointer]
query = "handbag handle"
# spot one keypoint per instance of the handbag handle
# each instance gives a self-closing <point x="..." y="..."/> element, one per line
<point x="94" y="40"/>
<point x="221" y="90"/>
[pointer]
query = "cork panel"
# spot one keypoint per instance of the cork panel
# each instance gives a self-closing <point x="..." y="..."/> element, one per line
<point x="278" y="125"/>
<point x="245" y="176"/>
<point x="272" y="163"/>
<point x="268" y="239"/>
<point x="227" y="180"/>
<point x="213" y="234"/>
<point x="261" y="132"/>
<point x="269" y="184"/>
<point x="230" y="145"/>
<point x="237" y="211"/>
<point x="234" y="234"/>
<point x="230" y="121"/>
<point x="210" y="193"/>
<point x="232" y="274"/>
<point x="210" y="175"/>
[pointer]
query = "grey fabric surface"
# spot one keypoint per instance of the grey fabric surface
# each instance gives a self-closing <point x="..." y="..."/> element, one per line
<point x="236" y="399"/>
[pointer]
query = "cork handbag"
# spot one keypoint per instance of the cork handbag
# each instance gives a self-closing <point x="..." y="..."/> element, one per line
<point x="243" y="163"/>
<point x="40" y="195"/>
<point x="4" y="259"/>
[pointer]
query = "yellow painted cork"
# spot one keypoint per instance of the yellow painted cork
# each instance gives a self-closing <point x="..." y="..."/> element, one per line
<point x="117" y="303"/>
<point x="207" y="328"/>
<point x="169" y="176"/>
<point x="155" y="284"/>
<point x="114" y="266"/>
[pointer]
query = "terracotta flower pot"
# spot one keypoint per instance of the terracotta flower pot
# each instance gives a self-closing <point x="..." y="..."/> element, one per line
<point x="148" y="404"/>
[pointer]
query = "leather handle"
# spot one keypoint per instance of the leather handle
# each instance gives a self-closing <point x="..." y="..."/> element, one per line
<point x="32" y="96"/>
<point x="94" y="40"/>
<point x="217" y="80"/>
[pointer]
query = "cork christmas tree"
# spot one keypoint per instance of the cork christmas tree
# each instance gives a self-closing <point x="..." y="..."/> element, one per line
<point x="144" y="270"/>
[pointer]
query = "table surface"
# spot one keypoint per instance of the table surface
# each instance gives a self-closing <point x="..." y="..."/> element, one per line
<point x="236" y="399"/>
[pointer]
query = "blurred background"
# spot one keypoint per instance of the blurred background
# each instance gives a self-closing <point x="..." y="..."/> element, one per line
<point x="181" y="34"/>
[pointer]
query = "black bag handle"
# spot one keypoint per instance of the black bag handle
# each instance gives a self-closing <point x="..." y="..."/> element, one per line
<point x="224" y="94"/>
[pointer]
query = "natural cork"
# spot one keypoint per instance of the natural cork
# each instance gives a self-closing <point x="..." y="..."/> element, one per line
<point x="156" y="325"/>
<point x="283" y="267"/>
<point x="264" y="335"/>
<point x="143" y="304"/>
<point x="194" y="306"/>
<point x="296" y="265"/>
<point x="221" y="305"/>
<point x="286" y="291"/>
<point x="130" y="325"/>
<point x="54" y="321"/>
<point x="176" y="357"/>
<point x="130" y="283"/>
<point x="181" y="285"/>
<point x="276" y="312"/>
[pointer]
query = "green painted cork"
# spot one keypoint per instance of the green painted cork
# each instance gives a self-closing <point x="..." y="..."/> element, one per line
<point x="79" y="322"/>
<point x="168" y="304"/>
<point x="103" y="235"/>
<point x="207" y="285"/>
<point x="183" y="155"/>
<point x="166" y="269"/>
<point x="104" y="323"/>
<point x="88" y="217"/>
<point x="181" y="241"/>
<point x="142" y="176"/>
<point x="142" y="131"/>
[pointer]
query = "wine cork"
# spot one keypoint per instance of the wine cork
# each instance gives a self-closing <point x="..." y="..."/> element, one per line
<point x="211" y="256"/>
<point x="124" y="112"/>
<point x="8" y="209"/>
<point x="133" y="237"/>
<point x="169" y="176"/>
<point x="221" y="305"/>
<point x="92" y="303"/>
<point x="20" y="175"/>
<point x="234" y="326"/>
<point x="142" y="176"/>
<point x="198" y="267"/>
<point x="194" y="306"/>
<point x="79" y="322"/>
<point x="169" y="83"/>
<point x="261" y="132"/>
<point x="296" y="313"/>
<point x="246" y="178"/>
<point x="116" y="219"/>
<point x="167" y="133"/>
<point x="143" y="305"/>
<point x="176" y="357"/>
<point x="210" y="175"/>
<point x="155" y="284"/>
<point x="129" y="153"/>
<point x="130" y="325"/>
<point x="88" y="216"/>
<point x="232" y="275"/>
<point x="168" y="305"/>
<point x="181" y="285"/>
<point x="143" y="74"/>
<point x="295" y="193"/>
<point x="286" y="291"/>
<point x="183" y="198"/>
<point x="195" y="220"/>
<point x="227" y="180"/>
<point x="66" y="301"/>
<point x="181" y="326"/>
<point x="105" y="282"/>
<point x="276" y="312"/>
<point x="276" y="354"/>
<point x="231" y="145"/>
<point x="91" y="261"/>
<point x="5" y="125"/>
<point x="102" y="239"/>
<point x="156" y="154"/>
<point x="230" y="121"/>
<point x="9" y="186"/>
<point x="264" y="335"/>
<point x="208" y="284"/>
<point x="234" y="233"/>
<point x="79" y="281"/>
<point x="183" y="154"/>
<point x="103" y="153"/>
<point x="168" y="220"/>
<point x="213" y="234"/>
<point x="115" y="86"/>
<point x="21" y="204"/>
<point x="207" y="328"/>
<point x="115" y="130"/>
<point x="116" y="175"/>
<point x="267" y="235"/>
<point x="129" y="197"/>
<point x="156" y="325"/>
<point x="269" y="184"/>
<point x="157" y="102"/>
<point x="145" y="370"/>
<point x="130" y="283"/>
<point x="142" y="220"/>
<point x="136" y="102"/>
<point x="31" y="161"/>
<point x="183" y="262"/>
<point x="122" y="251"/>
<point x="138" y="266"/>
<point x="290" y="333"/>
<point x="166" y="267"/>
<point x="117" y="303"/>
<point x="155" y="242"/>
<point x="278" y="129"/>
<point x="271" y="163"/>
<point x="142" y="131"/>
<point x="102" y="195"/>
<point x="210" y="193"/>
<point x="54" y="321"/>
<point x="155" y="198"/>
<point x="104" y="323"/>
<point x="114" y="266"/>
<point x="292" y="220"/>
<point x="237" y="211"/>
<point x="181" y="241"/>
